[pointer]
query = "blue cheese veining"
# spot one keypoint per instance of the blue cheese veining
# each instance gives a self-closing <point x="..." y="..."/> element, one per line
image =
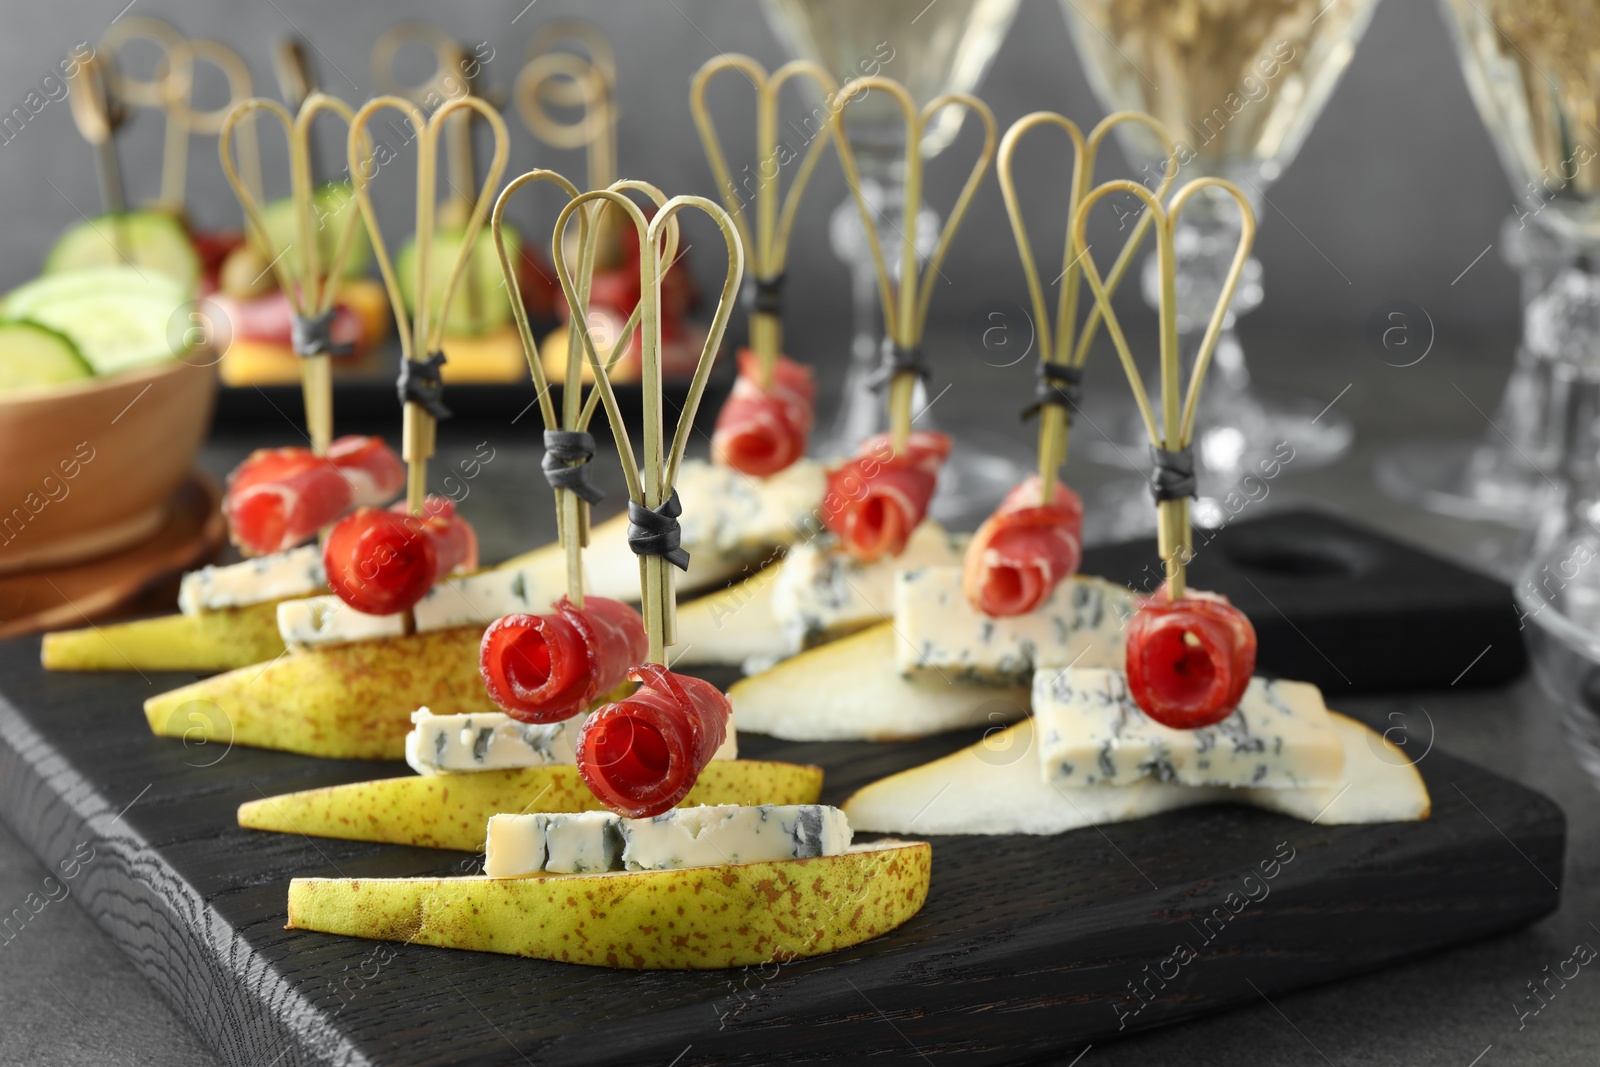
<point x="945" y="637"/>
<point x="280" y="576"/>
<point x="1091" y="732"/>
<point x="487" y="741"/>
<point x="709" y="836"/>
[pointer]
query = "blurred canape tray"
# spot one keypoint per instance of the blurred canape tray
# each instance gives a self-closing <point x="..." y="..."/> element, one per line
<point x="141" y="578"/>
<point x="364" y="392"/>
<point x="1028" y="947"/>
<point x="1343" y="606"/>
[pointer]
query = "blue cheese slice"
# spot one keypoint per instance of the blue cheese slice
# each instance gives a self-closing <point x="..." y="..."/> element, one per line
<point x="676" y="840"/>
<point x="446" y="744"/>
<point x="944" y="637"/>
<point x="469" y="600"/>
<point x="280" y="576"/>
<point x="1091" y="733"/>
<point x="485" y="741"/>
<point x="484" y="597"/>
<point x="822" y="593"/>
<point x="728" y="511"/>
<point x="320" y="621"/>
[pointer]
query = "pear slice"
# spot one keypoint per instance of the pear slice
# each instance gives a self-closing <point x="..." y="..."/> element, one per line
<point x="216" y="641"/>
<point x="850" y="690"/>
<point x="349" y="702"/>
<point x="702" y="918"/>
<point x="452" y="810"/>
<point x="732" y="626"/>
<point x="995" y="787"/>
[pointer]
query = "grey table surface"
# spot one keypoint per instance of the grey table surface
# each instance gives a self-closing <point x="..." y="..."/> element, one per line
<point x="67" y="996"/>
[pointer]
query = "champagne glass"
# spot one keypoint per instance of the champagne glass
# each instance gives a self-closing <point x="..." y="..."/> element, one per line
<point x="1238" y="85"/>
<point x="1530" y="69"/>
<point x="943" y="47"/>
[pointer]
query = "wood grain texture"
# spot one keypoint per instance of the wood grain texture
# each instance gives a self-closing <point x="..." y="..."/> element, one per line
<point x="1022" y="952"/>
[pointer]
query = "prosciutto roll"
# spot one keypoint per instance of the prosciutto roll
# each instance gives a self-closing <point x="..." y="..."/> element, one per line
<point x="1024" y="550"/>
<point x="876" y="498"/>
<point x="280" y="497"/>
<point x="547" y="668"/>
<point x="1189" y="660"/>
<point x="383" y="561"/>
<point x="761" y="431"/>
<point x="641" y="756"/>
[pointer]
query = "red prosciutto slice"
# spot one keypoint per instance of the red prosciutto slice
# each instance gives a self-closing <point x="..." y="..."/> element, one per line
<point x="266" y="319"/>
<point x="279" y="497"/>
<point x="761" y="431"/>
<point x="547" y="668"/>
<point x="372" y="468"/>
<point x="1023" y="551"/>
<point x="382" y="562"/>
<point x="876" y="498"/>
<point x="454" y="539"/>
<point x="642" y="755"/>
<point x="1189" y="660"/>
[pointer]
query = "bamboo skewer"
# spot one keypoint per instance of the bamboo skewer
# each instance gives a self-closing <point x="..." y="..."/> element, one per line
<point x="905" y="302"/>
<point x="572" y="511"/>
<point x="98" y="115"/>
<point x="1176" y="430"/>
<point x="448" y="83"/>
<point x="768" y="245"/>
<point x="310" y="288"/>
<point x="151" y="92"/>
<point x="651" y="486"/>
<point x="188" y="121"/>
<point x="420" y="332"/>
<point x="1060" y="343"/>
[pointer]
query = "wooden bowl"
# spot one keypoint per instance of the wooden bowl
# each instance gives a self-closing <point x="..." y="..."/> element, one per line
<point x="89" y="468"/>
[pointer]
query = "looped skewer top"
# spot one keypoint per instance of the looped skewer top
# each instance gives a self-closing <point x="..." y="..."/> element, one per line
<point x="905" y="299"/>
<point x="147" y="92"/>
<point x="422" y="330"/>
<point x="182" y="116"/>
<point x="768" y="242"/>
<point x="568" y="445"/>
<point x="1062" y="349"/>
<point x="567" y="79"/>
<point x="1172" y="437"/>
<point x="651" y="485"/>
<point x="98" y="114"/>
<point x="310" y="286"/>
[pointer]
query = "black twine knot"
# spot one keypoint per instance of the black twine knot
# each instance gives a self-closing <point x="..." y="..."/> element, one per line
<point x="655" y="531"/>
<point x="1174" y="474"/>
<point x="566" y="463"/>
<point x="898" y="361"/>
<point x="1059" y="386"/>
<point x="312" y="335"/>
<point x="421" y="385"/>
<point x="765" y="296"/>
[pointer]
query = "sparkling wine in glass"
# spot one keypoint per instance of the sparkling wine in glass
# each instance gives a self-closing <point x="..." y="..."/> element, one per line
<point x="931" y="48"/>
<point x="1238" y="84"/>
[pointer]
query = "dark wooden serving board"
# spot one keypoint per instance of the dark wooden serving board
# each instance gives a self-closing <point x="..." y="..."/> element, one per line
<point x="1343" y="606"/>
<point x="1025" y="949"/>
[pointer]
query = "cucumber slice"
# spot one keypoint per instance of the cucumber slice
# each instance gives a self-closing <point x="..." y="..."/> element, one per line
<point x="495" y="310"/>
<point x="32" y="355"/>
<point x="156" y="242"/>
<point x="116" y="331"/>
<point x="333" y="206"/>
<point x="48" y="289"/>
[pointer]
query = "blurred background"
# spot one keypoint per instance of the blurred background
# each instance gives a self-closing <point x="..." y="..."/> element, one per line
<point x="1395" y="192"/>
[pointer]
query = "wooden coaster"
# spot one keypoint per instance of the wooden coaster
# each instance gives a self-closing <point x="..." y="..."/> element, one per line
<point x="143" y="577"/>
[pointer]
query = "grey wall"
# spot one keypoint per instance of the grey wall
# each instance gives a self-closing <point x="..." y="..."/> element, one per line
<point x="1394" y="194"/>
